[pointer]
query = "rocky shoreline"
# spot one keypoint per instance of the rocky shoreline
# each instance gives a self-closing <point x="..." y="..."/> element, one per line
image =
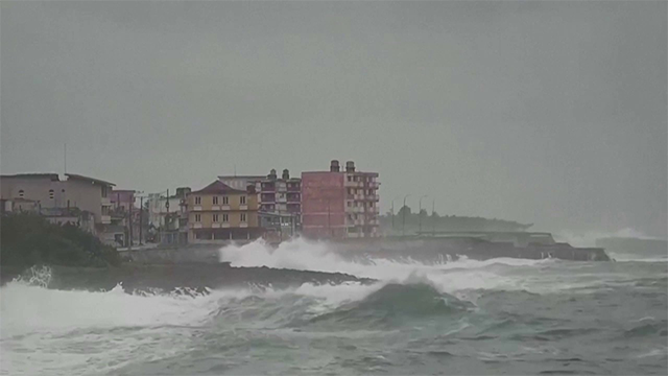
<point x="167" y="277"/>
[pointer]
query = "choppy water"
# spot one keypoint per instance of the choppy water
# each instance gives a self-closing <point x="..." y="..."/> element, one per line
<point x="500" y="316"/>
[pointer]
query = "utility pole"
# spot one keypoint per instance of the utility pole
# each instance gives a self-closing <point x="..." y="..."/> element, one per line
<point x="433" y="218"/>
<point x="420" y="214"/>
<point x="403" y="217"/>
<point x="130" y="226"/>
<point x="392" y="210"/>
<point x="166" y="217"/>
<point x="141" y="217"/>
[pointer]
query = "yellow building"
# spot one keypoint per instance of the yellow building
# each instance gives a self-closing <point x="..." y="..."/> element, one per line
<point x="220" y="212"/>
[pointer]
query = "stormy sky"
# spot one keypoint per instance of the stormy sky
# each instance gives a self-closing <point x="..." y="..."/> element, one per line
<point x="553" y="113"/>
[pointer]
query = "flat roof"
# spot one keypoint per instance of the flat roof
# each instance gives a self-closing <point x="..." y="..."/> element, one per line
<point x="50" y="175"/>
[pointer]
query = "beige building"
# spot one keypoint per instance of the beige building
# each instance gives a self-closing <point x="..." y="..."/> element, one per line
<point x="219" y="212"/>
<point x="47" y="193"/>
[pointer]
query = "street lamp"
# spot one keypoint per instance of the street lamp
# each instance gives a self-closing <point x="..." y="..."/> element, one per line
<point x="420" y="214"/>
<point x="392" y="210"/>
<point x="403" y="217"/>
<point x="433" y="217"/>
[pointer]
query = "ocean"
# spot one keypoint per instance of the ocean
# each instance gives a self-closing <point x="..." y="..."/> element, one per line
<point x="463" y="317"/>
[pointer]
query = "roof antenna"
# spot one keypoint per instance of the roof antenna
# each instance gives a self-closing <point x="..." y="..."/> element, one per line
<point x="65" y="157"/>
<point x="235" y="170"/>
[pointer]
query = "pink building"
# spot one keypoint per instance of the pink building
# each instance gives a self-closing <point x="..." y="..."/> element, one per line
<point x="122" y="199"/>
<point x="340" y="204"/>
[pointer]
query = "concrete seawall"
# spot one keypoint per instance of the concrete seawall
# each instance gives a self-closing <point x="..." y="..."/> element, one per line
<point x="423" y="249"/>
<point x="427" y="248"/>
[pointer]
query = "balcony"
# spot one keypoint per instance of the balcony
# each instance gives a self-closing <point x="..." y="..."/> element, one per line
<point x="243" y="207"/>
<point x="106" y="201"/>
<point x="105" y="219"/>
<point x="372" y="197"/>
<point x="268" y="188"/>
<point x="197" y="208"/>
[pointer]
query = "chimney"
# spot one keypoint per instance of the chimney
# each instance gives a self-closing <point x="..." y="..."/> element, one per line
<point x="350" y="166"/>
<point x="334" y="166"/>
<point x="286" y="174"/>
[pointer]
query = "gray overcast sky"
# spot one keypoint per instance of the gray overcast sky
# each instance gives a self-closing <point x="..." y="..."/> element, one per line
<point x="547" y="112"/>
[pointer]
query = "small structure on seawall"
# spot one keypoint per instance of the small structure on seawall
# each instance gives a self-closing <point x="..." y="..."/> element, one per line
<point x="476" y="245"/>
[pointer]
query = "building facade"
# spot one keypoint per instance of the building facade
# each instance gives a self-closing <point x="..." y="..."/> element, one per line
<point x="167" y="217"/>
<point x="280" y="205"/>
<point x="219" y="212"/>
<point x="340" y="204"/>
<point x="53" y="197"/>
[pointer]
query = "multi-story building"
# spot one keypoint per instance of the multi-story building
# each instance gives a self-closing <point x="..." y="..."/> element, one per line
<point x="280" y="204"/>
<point x="340" y="204"/>
<point x="122" y="199"/>
<point x="167" y="216"/>
<point x="242" y="182"/>
<point x="219" y="212"/>
<point x="48" y="193"/>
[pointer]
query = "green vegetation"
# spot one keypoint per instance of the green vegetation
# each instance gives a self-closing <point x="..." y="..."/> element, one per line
<point x="28" y="239"/>
<point x="445" y="223"/>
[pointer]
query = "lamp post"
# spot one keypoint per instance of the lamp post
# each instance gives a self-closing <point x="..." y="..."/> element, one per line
<point x="433" y="218"/>
<point x="420" y="214"/>
<point x="403" y="217"/>
<point x="392" y="211"/>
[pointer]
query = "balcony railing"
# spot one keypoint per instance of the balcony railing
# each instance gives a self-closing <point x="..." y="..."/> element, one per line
<point x="105" y="219"/>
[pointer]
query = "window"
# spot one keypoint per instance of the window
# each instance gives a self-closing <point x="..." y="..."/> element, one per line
<point x="51" y="193"/>
<point x="198" y="218"/>
<point x="242" y="200"/>
<point x="243" y="217"/>
<point x="226" y="218"/>
<point x="215" y="200"/>
<point x="198" y="200"/>
<point x="350" y="203"/>
<point x="226" y="200"/>
<point x="20" y="192"/>
<point x="350" y="178"/>
<point x="215" y="217"/>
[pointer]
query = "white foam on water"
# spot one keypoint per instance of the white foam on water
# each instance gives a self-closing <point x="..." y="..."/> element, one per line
<point x="27" y="308"/>
<point x="300" y="254"/>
